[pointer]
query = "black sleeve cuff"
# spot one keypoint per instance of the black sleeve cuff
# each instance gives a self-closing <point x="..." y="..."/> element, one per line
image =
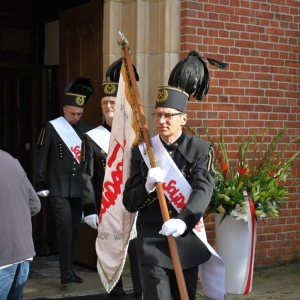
<point x="41" y="186"/>
<point x="90" y="209"/>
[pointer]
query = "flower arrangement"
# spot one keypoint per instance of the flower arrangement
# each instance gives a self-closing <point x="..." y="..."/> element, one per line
<point x="258" y="175"/>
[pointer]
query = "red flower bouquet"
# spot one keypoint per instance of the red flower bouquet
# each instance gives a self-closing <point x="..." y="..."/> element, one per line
<point x="257" y="174"/>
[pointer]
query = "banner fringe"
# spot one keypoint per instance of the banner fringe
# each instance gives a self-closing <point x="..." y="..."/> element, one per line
<point x="109" y="285"/>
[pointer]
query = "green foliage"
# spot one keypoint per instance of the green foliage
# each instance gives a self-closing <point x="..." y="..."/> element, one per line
<point x="259" y="177"/>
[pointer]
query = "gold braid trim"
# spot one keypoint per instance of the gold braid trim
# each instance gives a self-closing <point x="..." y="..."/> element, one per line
<point x="83" y="151"/>
<point x="210" y="159"/>
<point x="41" y="137"/>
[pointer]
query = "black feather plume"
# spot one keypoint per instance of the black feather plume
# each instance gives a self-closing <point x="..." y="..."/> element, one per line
<point x="80" y="86"/>
<point x="214" y="62"/>
<point x="113" y="71"/>
<point x="191" y="74"/>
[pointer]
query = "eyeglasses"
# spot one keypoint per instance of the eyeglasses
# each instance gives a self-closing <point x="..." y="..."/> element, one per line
<point x="166" y="116"/>
<point x="112" y="103"/>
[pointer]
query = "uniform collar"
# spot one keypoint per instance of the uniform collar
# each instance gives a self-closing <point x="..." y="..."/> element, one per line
<point x="73" y="125"/>
<point x="175" y="144"/>
<point x="105" y="125"/>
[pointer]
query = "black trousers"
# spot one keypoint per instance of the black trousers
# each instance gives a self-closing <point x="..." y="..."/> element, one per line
<point x="160" y="283"/>
<point x="135" y="269"/>
<point x="117" y="293"/>
<point x="68" y="214"/>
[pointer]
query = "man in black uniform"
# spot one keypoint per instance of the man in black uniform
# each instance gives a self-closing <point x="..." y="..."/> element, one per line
<point x="57" y="173"/>
<point x="186" y="161"/>
<point x="93" y="162"/>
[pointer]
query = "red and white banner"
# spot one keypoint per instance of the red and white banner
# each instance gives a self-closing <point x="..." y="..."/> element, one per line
<point x="115" y="222"/>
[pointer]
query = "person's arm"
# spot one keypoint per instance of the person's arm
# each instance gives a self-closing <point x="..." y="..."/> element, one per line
<point x="41" y="161"/>
<point x="135" y="195"/>
<point x="87" y="175"/>
<point x="34" y="200"/>
<point x="202" y="184"/>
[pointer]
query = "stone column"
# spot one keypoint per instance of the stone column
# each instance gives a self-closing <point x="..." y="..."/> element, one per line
<point x="152" y="28"/>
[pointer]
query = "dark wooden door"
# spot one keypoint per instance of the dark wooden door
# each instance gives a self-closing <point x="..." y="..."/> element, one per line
<point x="21" y="95"/>
<point x="80" y="52"/>
<point x="20" y="121"/>
<point x="80" y="35"/>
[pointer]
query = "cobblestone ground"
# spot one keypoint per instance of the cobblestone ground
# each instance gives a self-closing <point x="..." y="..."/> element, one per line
<point x="282" y="282"/>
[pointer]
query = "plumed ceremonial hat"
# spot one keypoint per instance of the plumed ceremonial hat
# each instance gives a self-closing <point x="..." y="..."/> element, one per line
<point x="168" y="96"/>
<point x="189" y="77"/>
<point x="110" y="87"/>
<point x="78" y="92"/>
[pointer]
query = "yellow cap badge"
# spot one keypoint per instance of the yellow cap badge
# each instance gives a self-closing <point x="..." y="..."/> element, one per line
<point x="110" y="89"/>
<point x="79" y="100"/>
<point x="162" y="95"/>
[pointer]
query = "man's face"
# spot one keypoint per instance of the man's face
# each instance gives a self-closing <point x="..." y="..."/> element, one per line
<point x="108" y="106"/>
<point x="72" y="113"/>
<point x="169" y="126"/>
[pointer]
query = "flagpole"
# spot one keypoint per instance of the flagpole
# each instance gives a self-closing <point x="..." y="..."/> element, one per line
<point x="160" y="193"/>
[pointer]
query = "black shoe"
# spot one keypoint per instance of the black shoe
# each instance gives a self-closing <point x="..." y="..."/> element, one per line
<point x="66" y="278"/>
<point x="75" y="278"/>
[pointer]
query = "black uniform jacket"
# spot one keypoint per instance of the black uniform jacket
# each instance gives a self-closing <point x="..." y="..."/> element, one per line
<point x="55" y="168"/>
<point x="93" y="162"/>
<point x="193" y="157"/>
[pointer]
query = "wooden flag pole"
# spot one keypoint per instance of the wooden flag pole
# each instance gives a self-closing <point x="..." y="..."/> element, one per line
<point x="160" y="193"/>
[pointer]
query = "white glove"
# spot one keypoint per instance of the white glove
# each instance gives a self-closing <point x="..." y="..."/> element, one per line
<point x="176" y="227"/>
<point x="154" y="175"/>
<point x="92" y="220"/>
<point x="43" y="193"/>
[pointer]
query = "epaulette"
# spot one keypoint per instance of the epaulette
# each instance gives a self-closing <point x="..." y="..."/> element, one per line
<point x="82" y="151"/>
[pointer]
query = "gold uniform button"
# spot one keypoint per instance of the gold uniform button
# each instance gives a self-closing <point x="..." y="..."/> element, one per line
<point x="175" y="145"/>
<point x="74" y="169"/>
<point x="73" y="174"/>
<point x="170" y="212"/>
<point x="74" y="163"/>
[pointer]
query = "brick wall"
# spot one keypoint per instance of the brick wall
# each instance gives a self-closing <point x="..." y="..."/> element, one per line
<point x="260" y="39"/>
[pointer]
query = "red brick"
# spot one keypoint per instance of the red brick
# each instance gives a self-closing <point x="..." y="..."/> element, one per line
<point x="261" y="252"/>
<point x="272" y="260"/>
<point x="189" y="13"/>
<point x="288" y="257"/>
<point x="272" y="252"/>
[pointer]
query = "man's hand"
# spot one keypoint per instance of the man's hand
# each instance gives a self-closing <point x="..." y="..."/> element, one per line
<point x="154" y="175"/>
<point x="174" y="227"/>
<point x="92" y="220"/>
<point x="43" y="193"/>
